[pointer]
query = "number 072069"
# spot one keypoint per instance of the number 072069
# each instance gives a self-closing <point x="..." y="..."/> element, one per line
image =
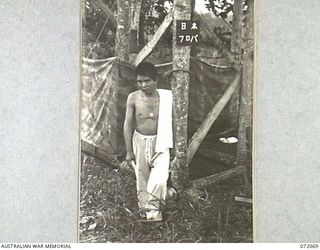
<point x="309" y="245"/>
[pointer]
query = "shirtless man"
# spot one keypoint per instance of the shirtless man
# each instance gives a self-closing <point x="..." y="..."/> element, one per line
<point x="140" y="134"/>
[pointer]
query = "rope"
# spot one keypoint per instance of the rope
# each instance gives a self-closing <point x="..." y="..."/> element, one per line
<point x="104" y="25"/>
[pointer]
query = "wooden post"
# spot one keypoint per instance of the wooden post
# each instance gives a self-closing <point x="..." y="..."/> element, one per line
<point x="180" y="90"/>
<point x="123" y="25"/>
<point x="246" y="91"/>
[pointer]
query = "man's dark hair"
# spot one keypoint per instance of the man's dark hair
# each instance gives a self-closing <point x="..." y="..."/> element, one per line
<point x="147" y="69"/>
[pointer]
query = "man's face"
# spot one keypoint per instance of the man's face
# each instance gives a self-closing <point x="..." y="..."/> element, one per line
<point x="146" y="84"/>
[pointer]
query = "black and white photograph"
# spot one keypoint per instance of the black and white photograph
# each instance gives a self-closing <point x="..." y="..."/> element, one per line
<point x="166" y="121"/>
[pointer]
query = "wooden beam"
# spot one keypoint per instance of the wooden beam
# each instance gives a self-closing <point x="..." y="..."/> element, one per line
<point x="180" y="89"/>
<point x="198" y="137"/>
<point x="215" y="178"/>
<point x="216" y="156"/>
<point x="147" y="49"/>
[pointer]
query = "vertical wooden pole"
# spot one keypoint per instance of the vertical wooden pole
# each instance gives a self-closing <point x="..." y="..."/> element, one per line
<point x="245" y="112"/>
<point x="123" y="26"/>
<point x="122" y="53"/>
<point x="180" y="90"/>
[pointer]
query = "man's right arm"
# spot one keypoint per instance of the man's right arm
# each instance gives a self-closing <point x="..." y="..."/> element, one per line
<point x="128" y="128"/>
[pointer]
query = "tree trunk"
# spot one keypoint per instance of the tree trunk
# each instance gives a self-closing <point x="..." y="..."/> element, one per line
<point x="180" y="89"/>
<point x="245" y="111"/>
<point x="123" y="26"/>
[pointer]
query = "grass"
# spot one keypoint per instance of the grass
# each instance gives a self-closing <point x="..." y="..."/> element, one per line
<point x="109" y="212"/>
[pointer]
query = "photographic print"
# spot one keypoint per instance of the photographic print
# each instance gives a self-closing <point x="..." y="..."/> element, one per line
<point x="166" y="121"/>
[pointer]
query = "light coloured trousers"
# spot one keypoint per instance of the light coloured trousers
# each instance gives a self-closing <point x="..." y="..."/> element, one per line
<point x="152" y="171"/>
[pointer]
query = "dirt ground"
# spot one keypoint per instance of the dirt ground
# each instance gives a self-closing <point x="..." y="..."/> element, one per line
<point x="109" y="212"/>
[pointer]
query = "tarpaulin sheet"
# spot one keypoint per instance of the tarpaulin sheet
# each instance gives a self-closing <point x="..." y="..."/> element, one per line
<point x="207" y="84"/>
<point x="105" y="87"/>
<point x="107" y="83"/>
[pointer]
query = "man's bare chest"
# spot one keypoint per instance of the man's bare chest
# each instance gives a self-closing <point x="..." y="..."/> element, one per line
<point x="147" y="108"/>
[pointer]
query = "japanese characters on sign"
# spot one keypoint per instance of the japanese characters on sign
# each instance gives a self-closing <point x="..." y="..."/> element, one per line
<point x="187" y="32"/>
